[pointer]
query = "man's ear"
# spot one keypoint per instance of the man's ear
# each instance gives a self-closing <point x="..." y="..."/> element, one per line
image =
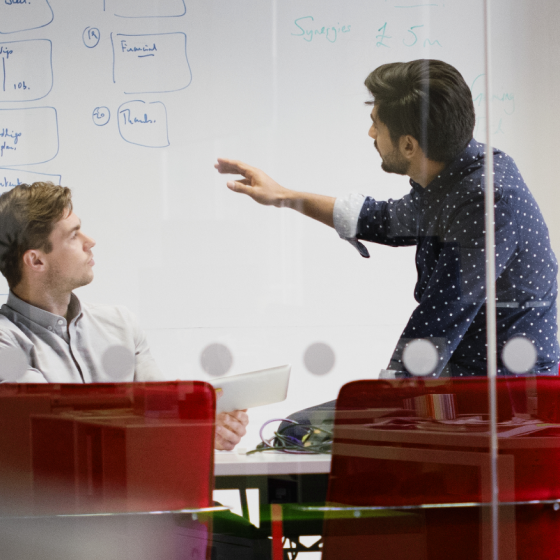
<point x="409" y="146"/>
<point x="34" y="260"/>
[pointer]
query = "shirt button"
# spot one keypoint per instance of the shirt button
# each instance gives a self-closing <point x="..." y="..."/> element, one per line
<point x="50" y="328"/>
<point x="61" y="321"/>
<point x="426" y="203"/>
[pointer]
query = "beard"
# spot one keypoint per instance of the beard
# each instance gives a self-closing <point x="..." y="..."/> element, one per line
<point x="58" y="281"/>
<point x="394" y="163"/>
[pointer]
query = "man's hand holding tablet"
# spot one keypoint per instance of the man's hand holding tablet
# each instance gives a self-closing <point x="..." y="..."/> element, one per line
<point x="230" y="427"/>
<point x="237" y="393"/>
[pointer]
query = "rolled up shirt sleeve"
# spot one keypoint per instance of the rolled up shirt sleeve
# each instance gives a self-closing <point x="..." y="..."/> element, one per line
<point x="346" y="214"/>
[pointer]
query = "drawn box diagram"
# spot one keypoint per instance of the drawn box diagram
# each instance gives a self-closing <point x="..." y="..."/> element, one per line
<point x="28" y="136"/>
<point x="144" y="124"/>
<point x="146" y="8"/>
<point x="23" y="15"/>
<point x="10" y="178"/>
<point x="151" y="63"/>
<point x="25" y="70"/>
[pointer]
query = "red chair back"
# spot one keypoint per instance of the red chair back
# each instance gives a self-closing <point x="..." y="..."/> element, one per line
<point x="116" y="447"/>
<point x="411" y="470"/>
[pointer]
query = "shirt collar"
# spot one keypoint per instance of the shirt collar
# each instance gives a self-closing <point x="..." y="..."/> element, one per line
<point x="41" y="317"/>
<point x="472" y="156"/>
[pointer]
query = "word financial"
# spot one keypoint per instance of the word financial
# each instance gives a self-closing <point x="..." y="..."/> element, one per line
<point x="145" y="49"/>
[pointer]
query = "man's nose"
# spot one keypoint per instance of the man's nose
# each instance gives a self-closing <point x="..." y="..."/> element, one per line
<point x="372" y="133"/>
<point x="90" y="242"/>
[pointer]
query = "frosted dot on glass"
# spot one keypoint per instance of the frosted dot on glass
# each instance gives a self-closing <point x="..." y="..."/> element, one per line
<point x="216" y="359"/>
<point x="118" y="363"/>
<point x="519" y="355"/>
<point x="319" y="358"/>
<point x="12" y="364"/>
<point x="420" y="357"/>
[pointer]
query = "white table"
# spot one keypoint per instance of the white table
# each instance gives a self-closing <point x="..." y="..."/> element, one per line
<point x="231" y="463"/>
<point x="279" y="477"/>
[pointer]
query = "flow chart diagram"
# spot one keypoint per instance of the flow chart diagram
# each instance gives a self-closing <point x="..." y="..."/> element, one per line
<point x="25" y="70"/>
<point x="10" y="178"/>
<point x="28" y="136"/>
<point x="24" y="15"/>
<point x="144" y="124"/>
<point x="146" y="8"/>
<point x="142" y="64"/>
<point x="150" y="63"/>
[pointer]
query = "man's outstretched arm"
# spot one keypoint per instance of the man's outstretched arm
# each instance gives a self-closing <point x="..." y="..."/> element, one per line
<point x="264" y="190"/>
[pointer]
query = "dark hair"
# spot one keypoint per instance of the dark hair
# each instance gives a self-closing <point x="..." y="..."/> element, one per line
<point x="28" y="214"/>
<point x="427" y="99"/>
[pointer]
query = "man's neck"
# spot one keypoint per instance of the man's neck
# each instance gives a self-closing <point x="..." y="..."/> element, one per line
<point x="425" y="171"/>
<point x="53" y="302"/>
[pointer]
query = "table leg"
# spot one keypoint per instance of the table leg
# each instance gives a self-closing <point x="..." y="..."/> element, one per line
<point x="277" y="532"/>
<point x="244" y="502"/>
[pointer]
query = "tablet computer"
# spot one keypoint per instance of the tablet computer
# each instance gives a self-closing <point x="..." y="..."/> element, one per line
<point x="256" y="388"/>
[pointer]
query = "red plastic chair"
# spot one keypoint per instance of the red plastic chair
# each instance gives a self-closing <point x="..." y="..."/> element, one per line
<point x="97" y="470"/>
<point x="410" y="472"/>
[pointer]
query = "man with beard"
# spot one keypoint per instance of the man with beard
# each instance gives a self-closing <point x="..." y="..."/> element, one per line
<point x="422" y="126"/>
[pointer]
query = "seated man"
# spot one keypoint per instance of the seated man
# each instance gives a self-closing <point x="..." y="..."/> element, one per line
<point x="46" y="334"/>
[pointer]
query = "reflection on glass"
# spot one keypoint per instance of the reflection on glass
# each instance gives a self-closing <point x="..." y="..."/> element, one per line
<point x="411" y="472"/>
<point x="71" y="453"/>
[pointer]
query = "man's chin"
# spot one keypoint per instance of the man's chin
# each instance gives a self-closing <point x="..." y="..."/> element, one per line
<point x="88" y="279"/>
<point x="397" y="170"/>
<point x="392" y="170"/>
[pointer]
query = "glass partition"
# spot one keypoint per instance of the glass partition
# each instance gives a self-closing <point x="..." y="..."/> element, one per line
<point x="275" y="183"/>
<point x="522" y="87"/>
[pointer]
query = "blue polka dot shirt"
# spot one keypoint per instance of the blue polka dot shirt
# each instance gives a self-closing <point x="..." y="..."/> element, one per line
<point x="445" y="221"/>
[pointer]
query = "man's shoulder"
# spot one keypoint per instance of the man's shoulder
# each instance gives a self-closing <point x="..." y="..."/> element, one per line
<point x="505" y="168"/>
<point x="468" y="169"/>
<point x="9" y="328"/>
<point x="469" y="182"/>
<point x="8" y="318"/>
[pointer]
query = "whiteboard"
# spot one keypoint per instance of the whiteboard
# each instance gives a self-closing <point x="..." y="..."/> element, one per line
<point x="129" y="102"/>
